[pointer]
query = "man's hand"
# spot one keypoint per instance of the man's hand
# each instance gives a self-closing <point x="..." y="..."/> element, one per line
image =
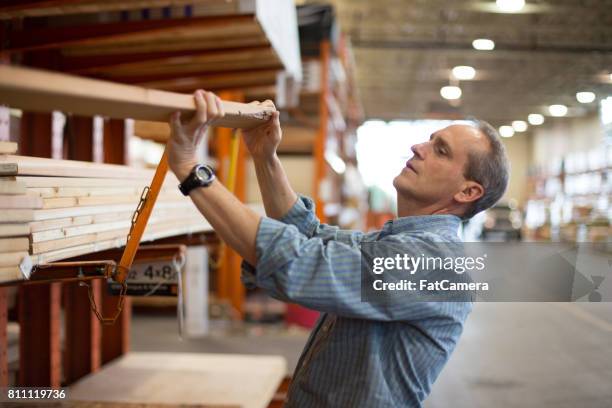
<point x="263" y="140"/>
<point x="186" y="138"/>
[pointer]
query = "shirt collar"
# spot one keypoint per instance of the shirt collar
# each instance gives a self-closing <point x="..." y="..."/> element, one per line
<point x="420" y="223"/>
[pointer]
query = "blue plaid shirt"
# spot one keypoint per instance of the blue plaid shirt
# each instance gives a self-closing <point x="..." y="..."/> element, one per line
<point x="360" y="354"/>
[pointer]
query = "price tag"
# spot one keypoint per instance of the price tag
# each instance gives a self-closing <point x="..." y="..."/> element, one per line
<point x="150" y="279"/>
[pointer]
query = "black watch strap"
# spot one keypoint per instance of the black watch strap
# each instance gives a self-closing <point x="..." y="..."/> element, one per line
<point x="200" y="176"/>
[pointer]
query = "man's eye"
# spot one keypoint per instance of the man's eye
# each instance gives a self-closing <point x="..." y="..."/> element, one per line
<point x="441" y="150"/>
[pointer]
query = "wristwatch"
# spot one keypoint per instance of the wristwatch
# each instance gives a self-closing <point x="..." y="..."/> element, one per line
<point x="201" y="175"/>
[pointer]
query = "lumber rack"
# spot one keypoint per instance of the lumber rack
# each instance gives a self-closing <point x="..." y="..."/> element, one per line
<point x="30" y="89"/>
<point x="83" y="271"/>
<point x="87" y="268"/>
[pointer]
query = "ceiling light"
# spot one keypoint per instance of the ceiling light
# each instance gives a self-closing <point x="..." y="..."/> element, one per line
<point x="510" y="6"/>
<point x="464" y="72"/>
<point x="450" y="92"/>
<point x="519" y="125"/>
<point x="484" y="44"/>
<point x="506" y="131"/>
<point x="557" y="110"/>
<point x="535" y="119"/>
<point x="585" y="97"/>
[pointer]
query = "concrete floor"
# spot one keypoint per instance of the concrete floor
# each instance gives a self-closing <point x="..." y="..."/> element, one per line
<point x="530" y="355"/>
<point x="511" y="354"/>
<point x="160" y="333"/>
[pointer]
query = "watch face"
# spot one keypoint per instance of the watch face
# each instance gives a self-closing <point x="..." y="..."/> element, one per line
<point x="202" y="174"/>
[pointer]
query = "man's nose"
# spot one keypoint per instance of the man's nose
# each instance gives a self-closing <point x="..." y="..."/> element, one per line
<point x="418" y="150"/>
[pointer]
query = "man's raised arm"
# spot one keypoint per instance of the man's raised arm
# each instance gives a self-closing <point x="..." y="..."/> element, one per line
<point x="262" y="142"/>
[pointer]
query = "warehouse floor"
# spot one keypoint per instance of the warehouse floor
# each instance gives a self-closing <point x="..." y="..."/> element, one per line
<point x="160" y="333"/>
<point x="511" y="354"/>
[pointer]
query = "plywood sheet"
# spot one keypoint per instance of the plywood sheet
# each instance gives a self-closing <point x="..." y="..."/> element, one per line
<point x="185" y="379"/>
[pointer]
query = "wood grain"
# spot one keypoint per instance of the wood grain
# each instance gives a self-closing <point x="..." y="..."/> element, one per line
<point x="14" y="244"/>
<point x="45" y="91"/>
<point x="8" y="147"/>
<point x="14" y="230"/>
<point x="231" y="380"/>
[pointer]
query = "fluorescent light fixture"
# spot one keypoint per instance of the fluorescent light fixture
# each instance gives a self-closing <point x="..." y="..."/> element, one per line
<point x="510" y="6"/>
<point x="585" y="97"/>
<point x="535" y="119"/>
<point x="483" y="44"/>
<point x="464" y="72"/>
<point x="450" y="92"/>
<point x="557" y="110"/>
<point x="506" y="131"/>
<point x="519" y="125"/>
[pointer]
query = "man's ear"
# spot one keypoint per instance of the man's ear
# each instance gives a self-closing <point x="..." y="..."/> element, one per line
<point x="470" y="192"/>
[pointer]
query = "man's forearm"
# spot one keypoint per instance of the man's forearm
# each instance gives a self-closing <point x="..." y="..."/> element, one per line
<point x="232" y="220"/>
<point x="278" y="196"/>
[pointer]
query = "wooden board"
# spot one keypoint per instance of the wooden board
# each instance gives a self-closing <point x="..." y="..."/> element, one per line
<point x="60" y="192"/>
<point x="16" y="216"/>
<point x="14" y="230"/>
<point x="204" y="380"/>
<point x="67" y="240"/>
<point x="114" y="222"/>
<point x="38" y="226"/>
<point x="157" y="33"/>
<point x="213" y="82"/>
<point x="150" y="234"/>
<point x="14" y="244"/>
<point x="8" y="147"/>
<point x="196" y="63"/>
<point x="10" y="273"/>
<point x="8" y="185"/>
<point x="20" y="201"/>
<point x="45" y="182"/>
<point x="297" y="140"/>
<point x="41" y="8"/>
<point x="12" y="165"/>
<point x="35" y="202"/>
<point x="45" y="91"/>
<point x="12" y="258"/>
<point x="156" y="131"/>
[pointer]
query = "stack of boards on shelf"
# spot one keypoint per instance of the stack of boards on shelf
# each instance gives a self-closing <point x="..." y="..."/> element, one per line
<point x="56" y="209"/>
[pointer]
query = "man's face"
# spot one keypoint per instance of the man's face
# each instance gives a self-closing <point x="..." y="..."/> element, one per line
<point x="435" y="173"/>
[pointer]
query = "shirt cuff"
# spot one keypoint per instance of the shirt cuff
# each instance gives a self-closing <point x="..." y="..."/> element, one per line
<point x="302" y="215"/>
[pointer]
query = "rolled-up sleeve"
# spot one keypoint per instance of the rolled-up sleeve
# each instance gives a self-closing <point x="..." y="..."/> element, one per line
<point x="323" y="275"/>
<point x="303" y="216"/>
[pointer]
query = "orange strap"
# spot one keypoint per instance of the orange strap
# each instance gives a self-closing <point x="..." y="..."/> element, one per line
<point x="140" y="219"/>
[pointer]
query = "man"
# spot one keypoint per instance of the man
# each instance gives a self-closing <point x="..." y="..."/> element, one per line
<point x="360" y="354"/>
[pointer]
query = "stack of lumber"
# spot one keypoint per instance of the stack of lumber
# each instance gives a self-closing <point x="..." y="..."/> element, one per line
<point x="57" y="209"/>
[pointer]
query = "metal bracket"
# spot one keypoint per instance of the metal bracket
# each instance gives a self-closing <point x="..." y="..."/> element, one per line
<point x="71" y="271"/>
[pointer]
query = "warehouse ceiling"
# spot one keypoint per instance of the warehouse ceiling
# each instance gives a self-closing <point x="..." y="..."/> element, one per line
<point x="405" y="51"/>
